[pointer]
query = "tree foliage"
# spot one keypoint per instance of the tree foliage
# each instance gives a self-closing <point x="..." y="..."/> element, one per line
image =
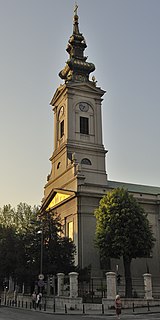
<point x="8" y="249"/>
<point x="59" y="251"/>
<point x="20" y="244"/>
<point x="122" y="230"/>
<point x="22" y="218"/>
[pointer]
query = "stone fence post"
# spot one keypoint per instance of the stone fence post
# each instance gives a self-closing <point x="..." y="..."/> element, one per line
<point x="73" y="280"/>
<point x="60" y="280"/>
<point x="11" y="285"/>
<point x="111" y="285"/>
<point x="148" y="285"/>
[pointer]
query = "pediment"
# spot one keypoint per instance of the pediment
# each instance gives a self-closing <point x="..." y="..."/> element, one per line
<point x="86" y="86"/>
<point x="55" y="198"/>
<point x="81" y="86"/>
<point x="58" y="92"/>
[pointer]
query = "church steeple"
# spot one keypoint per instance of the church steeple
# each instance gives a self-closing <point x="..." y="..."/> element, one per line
<point x="78" y="176"/>
<point x="77" y="68"/>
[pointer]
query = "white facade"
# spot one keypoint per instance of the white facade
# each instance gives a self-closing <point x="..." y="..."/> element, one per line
<point x="78" y="178"/>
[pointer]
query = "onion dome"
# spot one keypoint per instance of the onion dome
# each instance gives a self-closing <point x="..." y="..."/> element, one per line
<point x="77" y="68"/>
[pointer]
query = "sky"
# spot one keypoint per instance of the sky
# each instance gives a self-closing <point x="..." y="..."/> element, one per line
<point x="122" y="39"/>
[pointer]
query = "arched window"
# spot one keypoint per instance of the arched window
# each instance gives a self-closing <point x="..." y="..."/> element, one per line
<point x="86" y="161"/>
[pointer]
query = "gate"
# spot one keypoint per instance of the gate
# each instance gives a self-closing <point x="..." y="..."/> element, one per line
<point x="93" y="290"/>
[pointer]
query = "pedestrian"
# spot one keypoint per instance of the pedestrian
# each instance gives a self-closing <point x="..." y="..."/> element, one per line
<point x="34" y="298"/>
<point x="118" y="306"/>
<point x="39" y="300"/>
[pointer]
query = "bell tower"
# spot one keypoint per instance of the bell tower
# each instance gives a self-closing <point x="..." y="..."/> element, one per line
<point x="77" y="119"/>
<point x="78" y="176"/>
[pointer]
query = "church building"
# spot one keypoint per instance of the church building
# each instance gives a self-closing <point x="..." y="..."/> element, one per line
<point x="78" y="177"/>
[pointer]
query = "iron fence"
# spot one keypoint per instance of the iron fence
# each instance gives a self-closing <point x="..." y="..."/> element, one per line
<point x="93" y="290"/>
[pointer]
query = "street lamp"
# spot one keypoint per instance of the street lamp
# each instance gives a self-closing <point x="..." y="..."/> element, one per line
<point x="41" y="276"/>
<point x="41" y="251"/>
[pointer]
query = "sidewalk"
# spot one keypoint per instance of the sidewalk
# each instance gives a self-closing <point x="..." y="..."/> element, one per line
<point x="140" y="310"/>
<point x="108" y="312"/>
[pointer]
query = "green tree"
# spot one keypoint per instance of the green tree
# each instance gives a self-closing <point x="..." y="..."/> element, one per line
<point x="20" y="244"/>
<point x="123" y="230"/>
<point x="7" y="214"/>
<point x="58" y="250"/>
<point x="23" y="218"/>
<point x="8" y="245"/>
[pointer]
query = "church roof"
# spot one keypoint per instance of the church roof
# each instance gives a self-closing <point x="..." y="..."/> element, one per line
<point x="134" y="187"/>
<point x="77" y="68"/>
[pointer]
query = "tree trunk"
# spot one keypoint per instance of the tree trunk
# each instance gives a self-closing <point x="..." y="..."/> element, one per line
<point x="128" y="278"/>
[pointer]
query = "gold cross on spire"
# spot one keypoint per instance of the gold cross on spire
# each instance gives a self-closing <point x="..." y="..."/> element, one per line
<point x="75" y="9"/>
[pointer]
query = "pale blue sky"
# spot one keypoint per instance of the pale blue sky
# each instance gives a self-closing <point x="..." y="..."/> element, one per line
<point x="123" y="39"/>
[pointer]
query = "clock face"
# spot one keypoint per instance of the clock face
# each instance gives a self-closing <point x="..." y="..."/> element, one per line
<point x="84" y="106"/>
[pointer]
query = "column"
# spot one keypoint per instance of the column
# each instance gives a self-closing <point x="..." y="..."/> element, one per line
<point x="111" y="285"/>
<point x="60" y="283"/>
<point x="148" y="286"/>
<point x="73" y="280"/>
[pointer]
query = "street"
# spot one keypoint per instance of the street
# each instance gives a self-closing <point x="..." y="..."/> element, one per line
<point x="19" y="314"/>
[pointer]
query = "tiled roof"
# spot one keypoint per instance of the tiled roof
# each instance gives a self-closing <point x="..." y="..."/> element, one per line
<point x="134" y="187"/>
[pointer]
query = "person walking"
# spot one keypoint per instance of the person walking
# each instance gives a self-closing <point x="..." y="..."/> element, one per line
<point x="39" y="301"/>
<point x="34" y="297"/>
<point x="118" y="306"/>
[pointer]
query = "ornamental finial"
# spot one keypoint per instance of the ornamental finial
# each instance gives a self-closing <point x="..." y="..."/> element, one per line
<point x="76" y="68"/>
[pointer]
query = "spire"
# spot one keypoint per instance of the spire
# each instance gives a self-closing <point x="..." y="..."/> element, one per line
<point x="75" y="20"/>
<point x="76" y="69"/>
